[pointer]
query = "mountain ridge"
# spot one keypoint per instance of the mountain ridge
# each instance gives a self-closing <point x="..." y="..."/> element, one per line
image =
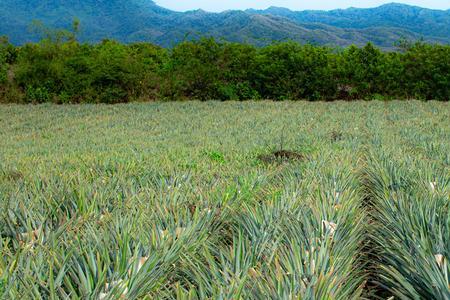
<point x="143" y="20"/>
<point x="427" y="22"/>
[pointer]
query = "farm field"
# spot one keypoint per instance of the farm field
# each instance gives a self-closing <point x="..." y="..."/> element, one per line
<point x="225" y="200"/>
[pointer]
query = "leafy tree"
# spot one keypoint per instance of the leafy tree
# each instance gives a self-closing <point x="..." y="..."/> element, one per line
<point x="62" y="70"/>
<point x="238" y="68"/>
<point x="192" y="71"/>
<point x="292" y="71"/>
<point x="359" y="71"/>
<point x="427" y="71"/>
<point x="3" y="65"/>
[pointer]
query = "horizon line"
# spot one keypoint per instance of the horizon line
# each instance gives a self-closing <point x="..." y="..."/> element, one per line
<point x="298" y="10"/>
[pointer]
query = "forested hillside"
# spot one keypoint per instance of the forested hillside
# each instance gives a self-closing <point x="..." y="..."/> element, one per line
<point x="143" y="20"/>
<point x="427" y="22"/>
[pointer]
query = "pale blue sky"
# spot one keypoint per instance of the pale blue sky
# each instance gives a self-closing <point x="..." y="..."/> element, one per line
<point x="217" y="5"/>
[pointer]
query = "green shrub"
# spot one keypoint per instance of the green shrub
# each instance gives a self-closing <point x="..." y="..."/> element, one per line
<point x="192" y="71"/>
<point x="292" y="71"/>
<point x="216" y="156"/>
<point x="2" y="288"/>
<point x="3" y="62"/>
<point x="427" y="71"/>
<point x="65" y="71"/>
<point x="37" y="94"/>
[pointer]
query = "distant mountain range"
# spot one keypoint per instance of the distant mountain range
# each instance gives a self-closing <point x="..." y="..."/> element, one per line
<point x="143" y="20"/>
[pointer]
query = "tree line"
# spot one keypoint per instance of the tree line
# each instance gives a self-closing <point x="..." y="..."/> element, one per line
<point x="60" y="69"/>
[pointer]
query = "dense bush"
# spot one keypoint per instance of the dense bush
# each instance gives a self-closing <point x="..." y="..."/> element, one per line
<point x="69" y="72"/>
<point x="292" y="71"/>
<point x="427" y="72"/>
<point x="3" y="67"/>
<point x="8" y="55"/>
<point x="64" y="71"/>
<point x="210" y="70"/>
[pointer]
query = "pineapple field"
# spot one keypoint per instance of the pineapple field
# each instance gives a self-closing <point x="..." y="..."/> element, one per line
<point x="225" y="200"/>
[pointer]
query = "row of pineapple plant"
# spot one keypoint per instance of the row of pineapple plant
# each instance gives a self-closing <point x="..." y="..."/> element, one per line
<point x="296" y="233"/>
<point x="410" y="202"/>
<point x="103" y="221"/>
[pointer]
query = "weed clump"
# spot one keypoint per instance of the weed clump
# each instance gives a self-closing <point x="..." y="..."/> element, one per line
<point x="336" y="136"/>
<point x="12" y="175"/>
<point x="281" y="156"/>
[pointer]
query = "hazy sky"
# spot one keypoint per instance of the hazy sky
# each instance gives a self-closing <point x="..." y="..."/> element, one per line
<point x="217" y="5"/>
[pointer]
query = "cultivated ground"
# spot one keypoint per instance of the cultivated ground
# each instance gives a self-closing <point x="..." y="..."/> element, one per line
<point x="225" y="200"/>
